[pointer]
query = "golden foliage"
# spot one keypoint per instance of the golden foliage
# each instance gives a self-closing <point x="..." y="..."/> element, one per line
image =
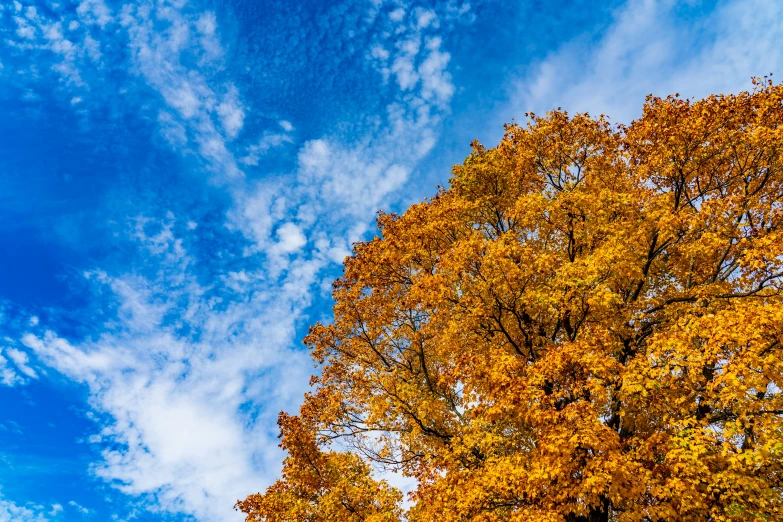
<point x="586" y="326"/>
<point x="321" y="486"/>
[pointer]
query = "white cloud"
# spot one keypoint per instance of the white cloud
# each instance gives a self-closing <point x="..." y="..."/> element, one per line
<point x="56" y="510"/>
<point x="397" y="15"/>
<point x="161" y="41"/>
<point x="12" y="512"/>
<point x="436" y="82"/>
<point x="338" y="185"/>
<point x="647" y="49"/>
<point x="39" y="33"/>
<point x="379" y="53"/>
<point x="92" y="48"/>
<point x="180" y="431"/>
<point x="31" y="13"/>
<point x="24" y="29"/>
<point x="355" y="180"/>
<point x="416" y="60"/>
<point x="255" y="211"/>
<point x="21" y="359"/>
<point x="8" y="375"/>
<point x="231" y="113"/>
<point x="404" y="65"/>
<point x="172" y="130"/>
<point x="94" y="12"/>
<point x="267" y="142"/>
<point x="78" y="507"/>
<point x="425" y="18"/>
<point x="286" y="125"/>
<point x="290" y="238"/>
<point x="13" y="427"/>
<point x="207" y="24"/>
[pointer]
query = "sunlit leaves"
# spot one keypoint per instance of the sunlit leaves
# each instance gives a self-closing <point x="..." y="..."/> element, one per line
<point x="586" y="326"/>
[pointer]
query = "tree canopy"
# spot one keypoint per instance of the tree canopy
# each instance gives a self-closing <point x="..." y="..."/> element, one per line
<point x="586" y="325"/>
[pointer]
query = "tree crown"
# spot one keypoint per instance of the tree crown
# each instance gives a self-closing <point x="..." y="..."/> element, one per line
<point x="585" y="326"/>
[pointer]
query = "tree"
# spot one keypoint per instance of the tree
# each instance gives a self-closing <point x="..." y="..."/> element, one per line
<point x="585" y="326"/>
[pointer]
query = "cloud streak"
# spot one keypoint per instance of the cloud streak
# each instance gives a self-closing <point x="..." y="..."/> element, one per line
<point x="650" y="48"/>
<point x="12" y="512"/>
<point x="178" y="428"/>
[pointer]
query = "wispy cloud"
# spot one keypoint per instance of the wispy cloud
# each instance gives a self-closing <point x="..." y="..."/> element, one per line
<point x="21" y="360"/>
<point x="75" y="505"/>
<point x="651" y="48"/>
<point x="68" y="40"/>
<point x="339" y="185"/>
<point x="56" y="510"/>
<point x="203" y="115"/>
<point x="177" y="371"/>
<point x="14" y="367"/>
<point x="268" y="141"/>
<point x="12" y="427"/>
<point x="8" y="376"/>
<point x="12" y="512"/>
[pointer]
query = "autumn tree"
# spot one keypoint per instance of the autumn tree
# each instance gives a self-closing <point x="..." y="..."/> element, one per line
<point x="585" y="326"/>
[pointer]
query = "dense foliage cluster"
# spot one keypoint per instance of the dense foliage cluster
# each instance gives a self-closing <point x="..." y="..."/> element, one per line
<point x="585" y="326"/>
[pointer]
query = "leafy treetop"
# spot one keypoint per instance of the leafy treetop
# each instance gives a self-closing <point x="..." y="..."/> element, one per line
<point x="585" y="326"/>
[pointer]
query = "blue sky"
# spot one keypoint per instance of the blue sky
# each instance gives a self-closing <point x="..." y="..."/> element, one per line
<point x="179" y="182"/>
